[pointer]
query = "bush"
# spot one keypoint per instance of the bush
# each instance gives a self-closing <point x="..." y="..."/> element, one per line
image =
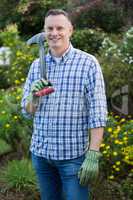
<point x="19" y="175"/>
<point x="14" y="129"/>
<point x="127" y="186"/>
<point x="117" y="62"/>
<point x="117" y="148"/>
<point x="105" y="16"/>
<point x="20" y="58"/>
<point x="113" y="190"/>
<point x="27" y="14"/>
<point x="88" y="40"/>
<point x="4" y="147"/>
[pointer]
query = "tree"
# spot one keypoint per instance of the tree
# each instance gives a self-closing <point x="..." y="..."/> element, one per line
<point x="81" y="6"/>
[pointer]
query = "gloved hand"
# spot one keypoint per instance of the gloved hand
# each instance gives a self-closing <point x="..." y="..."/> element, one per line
<point x="89" y="169"/>
<point x="36" y="87"/>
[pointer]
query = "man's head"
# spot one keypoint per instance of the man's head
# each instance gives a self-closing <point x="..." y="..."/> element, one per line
<point x="58" y="30"/>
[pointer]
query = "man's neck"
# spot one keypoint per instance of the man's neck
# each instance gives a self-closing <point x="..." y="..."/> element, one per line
<point x="59" y="52"/>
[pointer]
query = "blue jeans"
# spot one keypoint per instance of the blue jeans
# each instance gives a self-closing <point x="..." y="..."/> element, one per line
<point x="57" y="179"/>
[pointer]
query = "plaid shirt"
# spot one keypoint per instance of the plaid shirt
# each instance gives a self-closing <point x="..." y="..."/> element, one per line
<point x="62" y="119"/>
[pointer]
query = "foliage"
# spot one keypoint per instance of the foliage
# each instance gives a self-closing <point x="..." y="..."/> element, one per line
<point x="105" y="16"/>
<point x="20" y="58"/>
<point x="88" y="40"/>
<point x="27" y="14"/>
<point x="117" y="148"/>
<point x="113" y="190"/>
<point x="126" y="49"/>
<point x="117" y="62"/>
<point x="127" y="186"/>
<point x="4" y="147"/>
<point x="19" y="174"/>
<point x="14" y="129"/>
<point x="22" y="55"/>
<point x="8" y="12"/>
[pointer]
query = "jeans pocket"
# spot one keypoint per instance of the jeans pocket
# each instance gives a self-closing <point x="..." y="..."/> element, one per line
<point x="72" y="166"/>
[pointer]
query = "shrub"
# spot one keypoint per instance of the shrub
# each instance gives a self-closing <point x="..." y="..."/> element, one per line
<point x="27" y="14"/>
<point x="14" y="129"/>
<point x="88" y="40"/>
<point x="117" y="62"/>
<point x="20" y="58"/>
<point x="19" y="174"/>
<point x="117" y="148"/>
<point x="105" y="16"/>
<point x="127" y="186"/>
<point x="4" y="147"/>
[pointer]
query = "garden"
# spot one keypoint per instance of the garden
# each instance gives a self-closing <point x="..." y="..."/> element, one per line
<point x="104" y="29"/>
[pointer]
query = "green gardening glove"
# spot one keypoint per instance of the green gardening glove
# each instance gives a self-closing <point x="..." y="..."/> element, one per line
<point x="35" y="87"/>
<point x="89" y="170"/>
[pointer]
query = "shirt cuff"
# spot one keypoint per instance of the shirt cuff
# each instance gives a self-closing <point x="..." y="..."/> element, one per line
<point x="96" y="123"/>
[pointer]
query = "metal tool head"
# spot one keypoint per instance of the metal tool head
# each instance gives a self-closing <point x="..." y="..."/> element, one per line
<point x="37" y="39"/>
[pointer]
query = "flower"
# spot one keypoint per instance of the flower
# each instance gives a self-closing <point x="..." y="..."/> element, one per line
<point x="18" y="98"/>
<point x="125" y="138"/>
<point x="118" y="163"/>
<point x="102" y="145"/>
<point x="15" y="117"/>
<point x="22" y="79"/>
<point x="104" y="152"/>
<point x="125" y="133"/>
<point x="107" y="147"/>
<point x="117" y="169"/>
<point x="17" y="82"/>
<point x="122" y="120"/>
<point x="3" y="112"/>
<point x="116" y="117"/>
<point x="118" y="128"/>
<point x="111" y="177"/>
<point x="120" y="143"/>
<point x="18" y="53"/>
<point x="116" y="141"/>
<point x="109" y="130"/>
<point x="126" y="157"/>
<point x="7" y="125"/>
<point x="115" y="153"/>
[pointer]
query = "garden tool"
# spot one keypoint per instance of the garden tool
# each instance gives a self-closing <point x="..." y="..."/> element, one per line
<point x="43" y="84"/>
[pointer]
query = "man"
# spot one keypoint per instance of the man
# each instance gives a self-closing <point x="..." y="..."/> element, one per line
<point x="64" y="160"/>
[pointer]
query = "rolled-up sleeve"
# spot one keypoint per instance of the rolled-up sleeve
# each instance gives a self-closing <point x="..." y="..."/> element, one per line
<point x="96" y="97"/>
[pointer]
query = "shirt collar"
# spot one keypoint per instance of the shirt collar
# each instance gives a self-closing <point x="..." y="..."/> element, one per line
<point x="67" y="54"/>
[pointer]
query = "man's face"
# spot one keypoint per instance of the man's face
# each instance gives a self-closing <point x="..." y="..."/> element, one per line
<point x="58" y="31"/>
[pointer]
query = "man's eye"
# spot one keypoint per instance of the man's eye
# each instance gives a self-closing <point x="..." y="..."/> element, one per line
<point x="50" y="29"/>
<point x="60" y="28"/>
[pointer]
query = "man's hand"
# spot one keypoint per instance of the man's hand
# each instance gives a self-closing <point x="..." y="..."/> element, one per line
<point x="90" y="168"/>
<point x="32" y="98"/>
<point x="39" y="85"/>
<point x="36" y="87"/>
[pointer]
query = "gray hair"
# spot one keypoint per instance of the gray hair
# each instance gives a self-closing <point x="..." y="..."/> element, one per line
<point x="55" y="12"/>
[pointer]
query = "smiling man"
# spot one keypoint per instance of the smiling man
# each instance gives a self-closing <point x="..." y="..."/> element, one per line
<point x="68" y="124"/>
<point x="58" y="31"/>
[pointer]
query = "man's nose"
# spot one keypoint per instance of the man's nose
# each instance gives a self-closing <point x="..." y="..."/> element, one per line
<point x="54" y="31"/>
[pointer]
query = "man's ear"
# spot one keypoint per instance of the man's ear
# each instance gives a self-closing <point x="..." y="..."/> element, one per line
<point x="71" y="30"/>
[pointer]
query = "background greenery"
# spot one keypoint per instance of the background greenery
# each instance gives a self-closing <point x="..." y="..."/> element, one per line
<point x="103" y="29"/>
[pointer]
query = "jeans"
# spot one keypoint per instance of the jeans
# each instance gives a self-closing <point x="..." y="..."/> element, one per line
<point x="58" y="180"/>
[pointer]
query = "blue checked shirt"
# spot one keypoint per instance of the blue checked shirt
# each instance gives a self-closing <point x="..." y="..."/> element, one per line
<point x="62" y="119"/>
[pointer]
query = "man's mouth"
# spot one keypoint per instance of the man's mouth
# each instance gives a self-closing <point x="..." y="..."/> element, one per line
<point x="54" y="39"/>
